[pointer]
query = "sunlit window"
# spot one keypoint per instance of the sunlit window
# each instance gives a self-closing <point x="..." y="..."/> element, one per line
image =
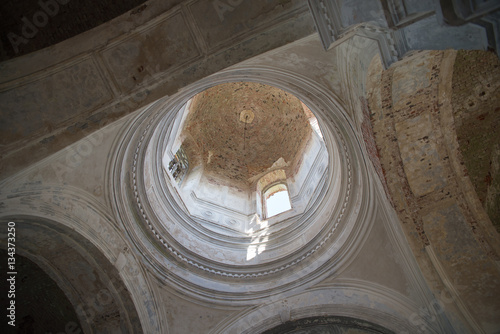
<point x="277" y="200"/>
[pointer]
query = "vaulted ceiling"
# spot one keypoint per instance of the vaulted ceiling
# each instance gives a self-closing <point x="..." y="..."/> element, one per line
<point x="239" y="130"/>
<point x="71" y="87"/>
<point x="39" y="24"/>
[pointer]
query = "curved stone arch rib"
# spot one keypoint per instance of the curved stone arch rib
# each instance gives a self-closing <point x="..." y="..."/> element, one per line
<point x="201" y="266"/>
<point x="89" y="281"/>
<point x="348" y="298"/>
<point x="90" y="221"/>
<point x="58" y="277"/>
<point x="334" y="325"/>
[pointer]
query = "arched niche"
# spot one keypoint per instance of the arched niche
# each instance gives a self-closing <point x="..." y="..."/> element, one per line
<point x="91" y="283"/>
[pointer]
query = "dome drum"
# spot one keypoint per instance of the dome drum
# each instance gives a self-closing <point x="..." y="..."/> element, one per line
<point x="212" y="247"/>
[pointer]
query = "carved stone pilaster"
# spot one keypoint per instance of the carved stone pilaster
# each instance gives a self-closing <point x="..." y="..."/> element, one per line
<point x="459" y="12"/>
<point x="327" y="17"/>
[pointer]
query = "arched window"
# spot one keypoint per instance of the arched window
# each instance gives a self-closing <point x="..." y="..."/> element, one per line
<point x="276" y="200"/>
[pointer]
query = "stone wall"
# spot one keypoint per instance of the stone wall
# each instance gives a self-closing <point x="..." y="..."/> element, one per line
<point x="371" y="146"/>
<point x="358" y="266"/>
<point x="476" y="110"/>
<point x="416" y="139"/>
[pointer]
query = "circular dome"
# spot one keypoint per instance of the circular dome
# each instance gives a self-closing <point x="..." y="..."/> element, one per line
<point x="193" y="199"/>
<point x="224" y="176"/>
<point x="237" y="131"/>
<point x="245" y="158"/>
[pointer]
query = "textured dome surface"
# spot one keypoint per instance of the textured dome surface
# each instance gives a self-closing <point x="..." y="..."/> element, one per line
<point x="240" y="130"/>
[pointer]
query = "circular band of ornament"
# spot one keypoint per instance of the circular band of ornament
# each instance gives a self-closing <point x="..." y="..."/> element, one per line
<point x="179" y="255"/>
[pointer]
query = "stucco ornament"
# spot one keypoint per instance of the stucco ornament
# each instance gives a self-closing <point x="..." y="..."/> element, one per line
<point x="211" y="252"/>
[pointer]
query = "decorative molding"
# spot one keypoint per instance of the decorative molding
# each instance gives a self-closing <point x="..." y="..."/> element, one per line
<point x="397" y="15"/>
<point x="327" y="17"/>
<point x="347" y="298"/>
<point x="156" y="233"/>
<point x="390" y="49"/>
<point x="491" y="23"/>
<point x="459" y="12"/>
<point x="396" y="10"/>
<point x="122" y="56"/>
<point x="179" y="254"/>
<point x="79" y="211"/>
<point x="125" y="49"/>
<point x="222" y="34"/>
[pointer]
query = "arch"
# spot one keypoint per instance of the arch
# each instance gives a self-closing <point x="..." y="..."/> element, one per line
<point x="35" y="301"/>
<point x="328" y="325"/>
<point x="91" y="283"/>
<point x="269" y="180"/>
<point x="276" y="199"/>
<point x="348" y="299"/>
<point x="84" y="231"/>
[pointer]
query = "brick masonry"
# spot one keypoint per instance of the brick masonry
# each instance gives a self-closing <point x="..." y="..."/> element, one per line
<point x="425" y="188"/>
<point x="371" y="146"/>
<point x="236" y="152"/>
<point x="476" y="109"/>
